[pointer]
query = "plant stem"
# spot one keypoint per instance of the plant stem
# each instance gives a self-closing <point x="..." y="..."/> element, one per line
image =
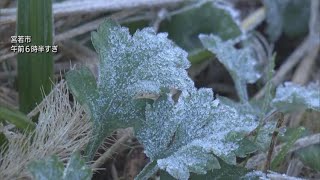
<point x="149" y="170"/>
<point x="108" y="154"/>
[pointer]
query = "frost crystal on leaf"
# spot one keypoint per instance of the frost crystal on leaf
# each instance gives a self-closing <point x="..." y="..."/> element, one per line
<point x="292" y="96"/>
<point x="186" y="136"/>
<point x="239" y="62"/>
<point x="130" y="67"/>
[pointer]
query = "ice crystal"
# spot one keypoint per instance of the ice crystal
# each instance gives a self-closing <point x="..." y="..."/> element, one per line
<point x="292" y="96"/>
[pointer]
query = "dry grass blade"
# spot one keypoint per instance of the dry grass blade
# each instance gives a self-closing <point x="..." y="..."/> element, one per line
<point x="302" y="73"/>
<point x="273" y="142"/>
<point x="309" y="45"/>
<point x="86" y="6"/>
<point x="108" y="154"/>
<point x="62" y="129"/>
<point x="290" y="62"/>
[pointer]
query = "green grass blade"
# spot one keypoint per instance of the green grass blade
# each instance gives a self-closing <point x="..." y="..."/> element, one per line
<point x="17" y="118"/>
<point x="283" y="152"/>
<point x="34" y="69"/>
<point x="3" y="143"/>
<point x="199" y="57"/>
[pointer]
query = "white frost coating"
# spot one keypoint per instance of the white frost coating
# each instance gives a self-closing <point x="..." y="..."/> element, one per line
<point x="270" y="176"/>
<point x="239" y="62"/>
<point x="131" y="67"/>
<point x="292" y="96"/>
<point x="141" y="58"/>
<point x="254" y="175"/>
<point x="183" y="137"/>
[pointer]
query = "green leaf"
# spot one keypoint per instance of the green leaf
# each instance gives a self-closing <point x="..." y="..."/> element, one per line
<point x="193" y="131"/>
<point x="290" y="97"/>
<point x="83" y="86"/>
<point x="246" y="147"/>
<point x="76" y="169"/>
<point x="270" y="88"/>
<point x="283" y="152"/>
<point x="296" y="11"/>
<point x="310" y="156"/>
<point x="210" y="17"/>
<point x="283" y="15"/>
<point x="149" y="170"/>
<point x="263" y="139"/>
<point x="3" y="142"/>
<point x="142" y="83"/>
<point x="49" y="169"/>
<point x="226" y="172"/>
<point x="52" y="169"/>
<point x="239" y="62"/>
<point x="131" y="69"/>
<point x="20" y="120"/>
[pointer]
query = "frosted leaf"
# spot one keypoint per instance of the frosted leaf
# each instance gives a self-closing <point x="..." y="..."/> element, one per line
<point x="220" y="18"/>
<point x="130" y="67"/>
<point x="52" y="169"/>
<point x="254" y="175"/>
<point x="239" y="62"/>
<point x="46" y="169"/>
<point x="185" y="136"/>
<point x="269" y="176"/>
<point x="263" y="139"/>
<point x="292" y="96"/>
<point x="283" y="15"/>
<point x="76" y="169"/>
<point x="275" y="9"/>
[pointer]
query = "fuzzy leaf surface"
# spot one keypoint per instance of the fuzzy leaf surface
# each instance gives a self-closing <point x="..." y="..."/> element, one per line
<point x="290" y="97"/>
<point x="186" y="136"/>
<point x="131" y="68"/>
